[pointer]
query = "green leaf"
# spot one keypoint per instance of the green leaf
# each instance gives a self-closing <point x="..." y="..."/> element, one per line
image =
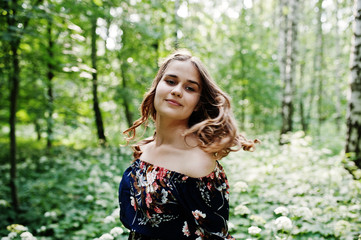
<point x="98" y="2"/>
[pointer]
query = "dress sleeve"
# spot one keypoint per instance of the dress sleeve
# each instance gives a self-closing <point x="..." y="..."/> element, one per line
<point x="205" y="201"/>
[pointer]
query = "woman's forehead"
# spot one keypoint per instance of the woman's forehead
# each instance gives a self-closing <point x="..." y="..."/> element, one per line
<point x="183" y="70"/>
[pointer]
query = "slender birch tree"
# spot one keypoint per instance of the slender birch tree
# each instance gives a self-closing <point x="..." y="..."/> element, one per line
<point x="337" y="69"/>
<point x="176" y="21"/>
<point x="288" y="38"/>
<point x="353" y="139"/>
<point x="318" y="64"/>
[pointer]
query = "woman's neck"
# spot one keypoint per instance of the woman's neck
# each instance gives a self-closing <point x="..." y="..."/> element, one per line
<point x="170" y="133"/>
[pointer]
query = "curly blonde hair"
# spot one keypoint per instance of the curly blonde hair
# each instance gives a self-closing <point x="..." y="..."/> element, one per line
<point x="212" y="123"/>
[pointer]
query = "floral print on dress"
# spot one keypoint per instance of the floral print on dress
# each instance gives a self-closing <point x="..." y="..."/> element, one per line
<point x="161" y="203"/>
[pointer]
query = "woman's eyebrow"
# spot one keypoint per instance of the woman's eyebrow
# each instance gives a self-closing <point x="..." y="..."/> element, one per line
<point x="194" y="82"/>
<point x="191" y="81"/>
<point x="171" y="75"/>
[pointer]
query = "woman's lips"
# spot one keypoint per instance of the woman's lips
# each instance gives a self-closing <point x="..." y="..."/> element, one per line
<point x="173" y="102"/>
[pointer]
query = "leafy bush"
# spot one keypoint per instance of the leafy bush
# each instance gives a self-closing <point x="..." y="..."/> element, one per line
<point x="68" y="193"/>
<point x="295" y="191"/>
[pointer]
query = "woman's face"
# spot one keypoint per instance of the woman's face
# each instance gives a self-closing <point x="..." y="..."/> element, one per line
<point x="178" y="91"/>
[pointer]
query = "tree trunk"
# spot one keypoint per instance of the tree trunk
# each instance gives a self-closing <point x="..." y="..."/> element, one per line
<point x="5" y="73"/>
<point x="123" y="71"/>
<point x="242" y="72"/>
<point x="97" y="112"/>
<point x="282" y="39"/>
<point x="37" y="129"/>
<point x="243" y="91"/>
<point x="353" y="139"/>
<point x="302" y="96"/>
<point x="50" y="76"/>
<point x="176" y="21"/>
<point x="14" y="92"/>
<point x="317" y="73"/>
<point x="125" y="96"/>
<point x="319" y="65"/>
<point x="14" y="78"/>
<point x="337" y="70"/>
<point x="288" y="37"/>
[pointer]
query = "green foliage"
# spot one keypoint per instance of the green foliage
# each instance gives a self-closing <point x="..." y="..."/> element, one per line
<point x="295" y="191"/>
<point x="237" y="41"/>
<point x="303" y="182"/>
<point x="67" y="192"/>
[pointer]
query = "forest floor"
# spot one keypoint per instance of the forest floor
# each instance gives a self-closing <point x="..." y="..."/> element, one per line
<point x="296" y="191"/>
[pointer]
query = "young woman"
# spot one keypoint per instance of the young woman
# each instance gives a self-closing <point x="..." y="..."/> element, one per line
<point x="176" y="188"/>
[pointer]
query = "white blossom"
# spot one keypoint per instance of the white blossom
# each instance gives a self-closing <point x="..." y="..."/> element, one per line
<point x="240" y="186"/>
<point x="3" y="203"/>
<point x="304" y="212"/>
<point x="12" y="235"/>
<point x="258" y="220"/>
<point x="27" y="236"/>
<point x="283" y="223"/>
<point x="231" y="226"/>
<point x="342" y="227"/>
<point x="20" y="228"/>
<point x="116" y="231"/>
<point x="51" y="214"/>
<point x="242" y="210"/>
<point x="101" y="202"/>
<point x="280" y="238"/>
<point x="109" y="219"/>
<point x="115" y="213"/>
<point x="281" y="210"/>
<point x="106" y="236"/>
<point x="89" y="198"/>
<point x="253" y="230"/>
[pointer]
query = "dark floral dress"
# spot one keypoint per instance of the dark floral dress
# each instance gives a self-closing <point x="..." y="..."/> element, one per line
<point x="161" y="204"/>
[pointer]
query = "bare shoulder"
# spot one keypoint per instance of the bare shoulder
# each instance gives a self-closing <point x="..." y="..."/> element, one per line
<point x="199" y="163"/>
<point x="192" y="162"/>
<point x="145" y="148"/>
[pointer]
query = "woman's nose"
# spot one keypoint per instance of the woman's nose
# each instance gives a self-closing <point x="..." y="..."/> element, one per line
<point x="177" y="91"/>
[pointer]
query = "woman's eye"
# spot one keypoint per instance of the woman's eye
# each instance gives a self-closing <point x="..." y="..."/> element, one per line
<point x="190" y="89"/>
<point x="170" y="82"/>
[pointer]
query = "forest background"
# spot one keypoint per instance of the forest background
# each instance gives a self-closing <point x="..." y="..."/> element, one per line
<point x="72" y="77"/>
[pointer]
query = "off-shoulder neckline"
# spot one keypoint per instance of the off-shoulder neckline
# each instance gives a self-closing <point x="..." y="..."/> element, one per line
<point x="216" y="168"/>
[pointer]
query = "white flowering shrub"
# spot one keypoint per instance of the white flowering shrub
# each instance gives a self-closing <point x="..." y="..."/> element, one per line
<point x="254" y="230"/>
<point x="241" y="210"/>
<point x="281" y="210"/>
<point x="295" y="191"/>
<point x="283" y="223"/>
<point x="18" y="231"/>
<point x="116" y="231"/>
<point x="73" y="194"/>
